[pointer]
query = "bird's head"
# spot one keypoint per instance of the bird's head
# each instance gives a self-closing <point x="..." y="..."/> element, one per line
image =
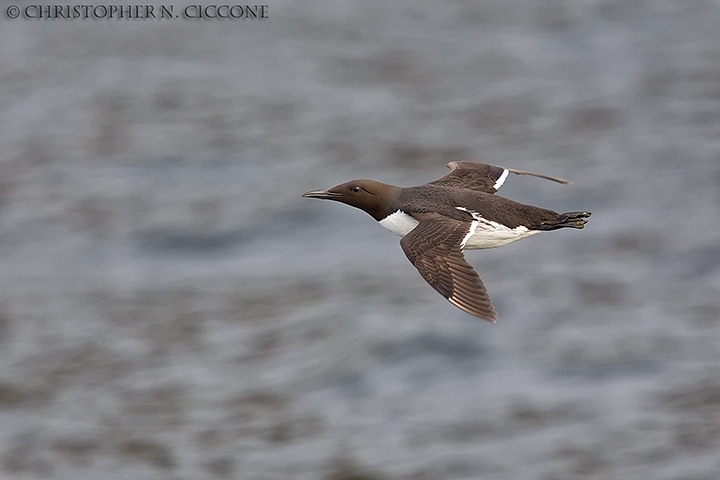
<point x="370" y="196"/>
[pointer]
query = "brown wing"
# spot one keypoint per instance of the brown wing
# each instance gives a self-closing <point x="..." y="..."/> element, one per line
<point x="482" y="177"/>
<point x="434" y="248"/>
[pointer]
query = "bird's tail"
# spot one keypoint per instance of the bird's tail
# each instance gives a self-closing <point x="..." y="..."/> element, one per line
<point x="569" y="219"/>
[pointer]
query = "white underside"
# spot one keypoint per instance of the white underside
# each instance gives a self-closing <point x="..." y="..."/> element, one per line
<point x="489" y="234"/>
<point x="483" y="233"/>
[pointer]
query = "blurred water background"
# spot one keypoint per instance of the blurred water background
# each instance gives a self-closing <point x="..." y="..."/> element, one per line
<point x="171" y="308"/>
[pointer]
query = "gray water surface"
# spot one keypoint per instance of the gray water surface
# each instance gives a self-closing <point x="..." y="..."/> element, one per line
<point x="171" y="308"/>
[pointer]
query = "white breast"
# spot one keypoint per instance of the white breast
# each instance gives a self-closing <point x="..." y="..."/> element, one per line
<point x="400" y="223"/>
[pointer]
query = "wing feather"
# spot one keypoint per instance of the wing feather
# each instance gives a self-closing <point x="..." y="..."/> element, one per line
<point x="483" y="177"/>
<point x="434" y="248"/>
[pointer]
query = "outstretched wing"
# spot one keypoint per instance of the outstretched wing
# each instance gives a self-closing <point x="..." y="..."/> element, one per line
<point x="483" y="177"/>
<point x="433" y="246"/>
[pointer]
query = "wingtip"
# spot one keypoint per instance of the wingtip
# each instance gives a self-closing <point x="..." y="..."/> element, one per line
<point x="540" y="175"/>
<point x="492" y="320"/>
<point x="488" y="316"/>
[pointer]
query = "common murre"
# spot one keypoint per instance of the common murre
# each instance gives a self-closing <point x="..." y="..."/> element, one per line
<point x="456" y="212"/>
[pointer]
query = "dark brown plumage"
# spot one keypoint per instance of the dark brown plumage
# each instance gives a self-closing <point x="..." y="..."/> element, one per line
<point x="434" y="248"/>
<point x="458" y="211"/>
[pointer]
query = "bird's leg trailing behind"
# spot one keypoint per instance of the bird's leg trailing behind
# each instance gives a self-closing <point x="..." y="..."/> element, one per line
<point x="568" y="219"/>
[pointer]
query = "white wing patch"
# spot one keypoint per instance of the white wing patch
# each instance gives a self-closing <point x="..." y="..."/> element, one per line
<point x="471" y="232"/>
<point x="399" y="223"/>
<point x="501" y="180"/>
<point x="473" y="226"/>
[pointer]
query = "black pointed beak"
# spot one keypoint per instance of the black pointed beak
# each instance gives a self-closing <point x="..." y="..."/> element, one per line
<point x="322" y="194"/>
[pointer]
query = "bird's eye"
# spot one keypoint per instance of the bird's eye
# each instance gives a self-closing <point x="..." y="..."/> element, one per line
<point x="355" y="188"/>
